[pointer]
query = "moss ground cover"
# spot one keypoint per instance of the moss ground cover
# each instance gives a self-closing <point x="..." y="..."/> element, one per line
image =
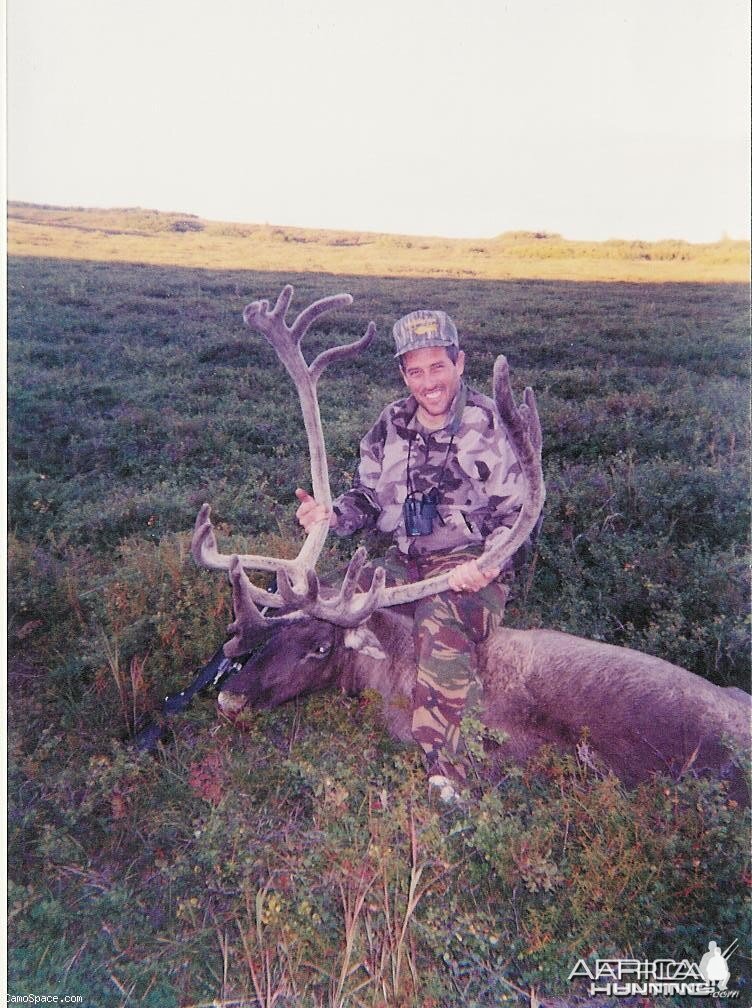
<point x="295" y="860"/>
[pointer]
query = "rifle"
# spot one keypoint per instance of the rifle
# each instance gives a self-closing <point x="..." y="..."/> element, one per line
<point x="212" y="674"/>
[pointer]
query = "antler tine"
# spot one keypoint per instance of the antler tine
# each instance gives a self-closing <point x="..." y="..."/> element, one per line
<point x="272" y="324"/>
<point x="204" y="542"/>
<point x="352" y="575"/>
<point x="248" y="620"/>
<point x="529" y="410"/>
<point x="523" y="425"/>
<point x="205" y="554"/>
<point x="349" y="608"/>
<point x="246" y="613"/>
<point x="368" y="602"/>
<point x="510" y="414"/>
<point x="283" y="302"/>
<point x="339" y="609"/>
<point x="308" y="316"/>
<point x="341" y="353"/>
<point x="257" y="313"/>
<point x="293" y="597"/>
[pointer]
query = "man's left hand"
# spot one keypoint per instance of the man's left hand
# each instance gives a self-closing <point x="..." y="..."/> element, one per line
<point x="467" y="577"/>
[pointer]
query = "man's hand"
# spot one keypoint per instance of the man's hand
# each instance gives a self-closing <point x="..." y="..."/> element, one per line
<point x="310" y="511"/>
<point x="467" y="577"/>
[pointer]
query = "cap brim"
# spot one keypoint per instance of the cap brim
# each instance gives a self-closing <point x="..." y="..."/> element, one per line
<point x="424" y="346"/>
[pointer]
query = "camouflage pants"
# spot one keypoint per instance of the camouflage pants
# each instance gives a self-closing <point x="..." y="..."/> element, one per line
<point x="447" y="629"/>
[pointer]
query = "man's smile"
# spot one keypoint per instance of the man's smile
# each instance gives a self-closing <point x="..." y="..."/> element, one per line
<point x="433" y="364"/>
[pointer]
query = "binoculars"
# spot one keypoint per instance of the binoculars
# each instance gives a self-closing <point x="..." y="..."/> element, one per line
<point x="419" y="511"/>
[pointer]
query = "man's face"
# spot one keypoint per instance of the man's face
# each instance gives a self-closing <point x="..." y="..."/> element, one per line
<point x="433" y="379"/>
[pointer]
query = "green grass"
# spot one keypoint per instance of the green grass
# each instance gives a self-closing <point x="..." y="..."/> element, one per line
<point x="297" y="854"/>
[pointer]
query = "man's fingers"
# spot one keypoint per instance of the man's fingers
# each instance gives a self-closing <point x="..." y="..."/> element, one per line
<point x="310" y="512"/>
<point x="307" y="504"/>
<point x="468" y="577"/>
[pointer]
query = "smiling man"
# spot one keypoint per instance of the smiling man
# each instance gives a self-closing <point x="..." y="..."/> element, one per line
<point x="436" y="471"/>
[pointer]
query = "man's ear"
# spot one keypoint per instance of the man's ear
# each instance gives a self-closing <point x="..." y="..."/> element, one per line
<point x="364" y="641"/>
<point x="460" y="363"/>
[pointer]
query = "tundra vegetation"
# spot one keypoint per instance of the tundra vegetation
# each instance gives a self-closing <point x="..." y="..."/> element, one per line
<point x="293" y="858"/>
<point x="173" y="239"/>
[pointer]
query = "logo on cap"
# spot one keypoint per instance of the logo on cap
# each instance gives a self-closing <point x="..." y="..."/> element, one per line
<point x="426" y="327"/>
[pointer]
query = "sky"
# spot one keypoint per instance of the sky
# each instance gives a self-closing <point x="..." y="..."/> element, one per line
<point x="593" y="119"/>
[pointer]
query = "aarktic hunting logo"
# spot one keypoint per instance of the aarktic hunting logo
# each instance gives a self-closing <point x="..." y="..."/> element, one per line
<point x="654" y="977"/>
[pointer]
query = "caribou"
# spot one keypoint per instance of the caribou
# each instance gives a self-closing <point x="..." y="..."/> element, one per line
<point x="623" y="711"/>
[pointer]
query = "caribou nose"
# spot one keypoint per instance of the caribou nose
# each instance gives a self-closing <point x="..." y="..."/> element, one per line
<point x="231" y="704"/>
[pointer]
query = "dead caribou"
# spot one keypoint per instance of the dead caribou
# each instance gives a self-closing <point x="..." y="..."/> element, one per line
<point x="641" y="715"/>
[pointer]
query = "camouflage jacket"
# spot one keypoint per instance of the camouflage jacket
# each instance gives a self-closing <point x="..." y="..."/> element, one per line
<point x="471" y="460"/>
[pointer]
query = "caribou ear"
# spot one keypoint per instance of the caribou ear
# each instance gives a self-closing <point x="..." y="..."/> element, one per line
<point x="363" y="640"/>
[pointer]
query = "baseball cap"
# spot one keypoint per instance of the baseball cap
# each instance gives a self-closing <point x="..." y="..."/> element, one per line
<point x="424" y="328"/>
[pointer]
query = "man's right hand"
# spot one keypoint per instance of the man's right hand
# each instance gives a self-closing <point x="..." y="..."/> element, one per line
<point x="310" y="511"/>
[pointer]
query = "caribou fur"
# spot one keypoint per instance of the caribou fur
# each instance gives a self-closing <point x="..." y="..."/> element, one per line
<point x="639" y="715"/>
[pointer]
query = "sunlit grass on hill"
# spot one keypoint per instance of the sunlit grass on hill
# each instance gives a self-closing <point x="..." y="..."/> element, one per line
<point x="174" y="239"/>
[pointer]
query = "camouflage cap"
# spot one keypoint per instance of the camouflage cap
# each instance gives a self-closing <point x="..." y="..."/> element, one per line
<point x="424" y="328"/>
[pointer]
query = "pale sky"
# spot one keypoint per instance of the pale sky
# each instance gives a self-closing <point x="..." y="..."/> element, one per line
<point x="594" y="119"/>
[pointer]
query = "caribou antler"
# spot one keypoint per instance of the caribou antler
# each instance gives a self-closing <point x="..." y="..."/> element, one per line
<point x="350" y="607"/>
<point x="286" y="342"/>
<point x="298" y="585"/>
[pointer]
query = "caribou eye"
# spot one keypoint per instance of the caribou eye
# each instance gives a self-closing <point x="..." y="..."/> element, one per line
<point x="321" y="651"/>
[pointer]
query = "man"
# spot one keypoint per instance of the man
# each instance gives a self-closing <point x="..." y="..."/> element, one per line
<point x="436" y="470"/>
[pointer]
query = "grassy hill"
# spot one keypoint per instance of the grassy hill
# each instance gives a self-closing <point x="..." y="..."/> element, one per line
<point x="172" y="239"/>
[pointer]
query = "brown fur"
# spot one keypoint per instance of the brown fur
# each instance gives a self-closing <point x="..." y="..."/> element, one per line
<point x="639" y="714"/>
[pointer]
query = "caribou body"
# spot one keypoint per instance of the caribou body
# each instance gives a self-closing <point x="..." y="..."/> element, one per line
<point x="637" y="714"/>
